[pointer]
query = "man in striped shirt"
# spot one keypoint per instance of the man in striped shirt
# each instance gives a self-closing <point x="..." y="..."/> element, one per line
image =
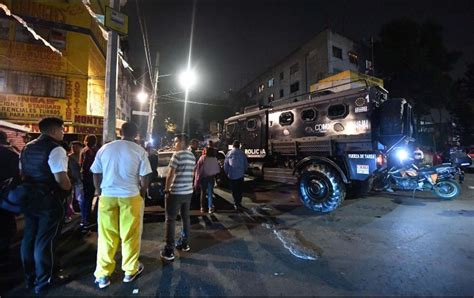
<point x="178" y="192"/>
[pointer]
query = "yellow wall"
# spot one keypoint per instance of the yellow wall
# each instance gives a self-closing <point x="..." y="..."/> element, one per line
<point x="82" y="63"/>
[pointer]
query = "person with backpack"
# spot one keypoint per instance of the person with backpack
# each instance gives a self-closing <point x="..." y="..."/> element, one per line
<point x="9" y="158"/>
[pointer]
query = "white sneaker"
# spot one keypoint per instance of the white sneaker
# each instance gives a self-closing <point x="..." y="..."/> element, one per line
<point x="130" y="278"/>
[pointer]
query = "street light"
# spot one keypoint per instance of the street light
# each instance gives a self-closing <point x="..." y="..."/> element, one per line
<point x="187" y="79"/>
<point x="142" y="96"/>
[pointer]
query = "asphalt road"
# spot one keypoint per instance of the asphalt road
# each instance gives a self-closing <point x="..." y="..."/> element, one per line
<point x="381" y="244"/>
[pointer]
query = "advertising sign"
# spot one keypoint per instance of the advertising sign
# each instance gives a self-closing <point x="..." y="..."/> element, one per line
<point x="30" y="108"/>
<point x="116" y="20"/>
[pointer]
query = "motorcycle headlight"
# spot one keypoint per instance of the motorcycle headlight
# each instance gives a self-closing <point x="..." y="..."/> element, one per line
<point x="402" y="154"/>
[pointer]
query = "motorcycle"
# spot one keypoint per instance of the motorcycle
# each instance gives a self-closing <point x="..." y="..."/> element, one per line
<point x="406" y="176"/>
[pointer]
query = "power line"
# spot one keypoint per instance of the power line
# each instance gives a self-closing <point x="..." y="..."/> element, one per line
<point x="145" y="44"/>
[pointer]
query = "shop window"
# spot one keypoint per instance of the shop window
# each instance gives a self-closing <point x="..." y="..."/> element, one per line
<point x="337" y="111"/>
<point x="337" y="52"/>
<point x="286" y="118"/>
<point x="309" y="115"/>
<point x="294" y="87"/>
<point x="3" y="81"/>
<point x="35" y="84"/>
<point x="4" y="28"/>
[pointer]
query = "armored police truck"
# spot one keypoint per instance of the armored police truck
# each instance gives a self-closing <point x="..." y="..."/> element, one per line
<point x="326" y="144"/>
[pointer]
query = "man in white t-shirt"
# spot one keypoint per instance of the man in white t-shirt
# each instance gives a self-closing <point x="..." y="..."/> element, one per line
<point x="121" y="176"/>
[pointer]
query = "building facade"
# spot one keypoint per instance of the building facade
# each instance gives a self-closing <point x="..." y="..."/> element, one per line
<point x="36" y="82"/>
<point x="290" y="79"/>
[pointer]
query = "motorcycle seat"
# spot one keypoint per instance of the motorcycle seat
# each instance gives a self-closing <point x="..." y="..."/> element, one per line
<point x="433" y="170"/>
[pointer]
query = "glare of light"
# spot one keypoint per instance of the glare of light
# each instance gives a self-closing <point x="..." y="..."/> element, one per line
<point x="142" y="96"/>
<point x="402" y="154"/>
<point x="151" y="141"/>
<point x="187" y="79"/>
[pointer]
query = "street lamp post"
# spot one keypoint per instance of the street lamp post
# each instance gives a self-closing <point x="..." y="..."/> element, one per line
<point x="187" y="80"/>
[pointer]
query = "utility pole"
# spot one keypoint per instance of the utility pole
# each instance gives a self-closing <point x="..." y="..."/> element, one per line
<point x="111" y="81"/>
<point x="151" y="115"/>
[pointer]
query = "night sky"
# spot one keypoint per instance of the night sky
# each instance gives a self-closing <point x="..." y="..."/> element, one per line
<point x="234" y="41"/>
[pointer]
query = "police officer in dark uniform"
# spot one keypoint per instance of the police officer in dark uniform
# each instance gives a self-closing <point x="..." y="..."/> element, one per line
<point x="43" y="163"/>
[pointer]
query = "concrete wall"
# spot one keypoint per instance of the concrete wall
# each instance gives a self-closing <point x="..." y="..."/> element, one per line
<point x="346" y="45"/>
<point x="315" y="60"/>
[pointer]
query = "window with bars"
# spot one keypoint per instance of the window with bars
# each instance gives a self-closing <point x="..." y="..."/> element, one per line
<point x="337" y="52"/>
<point x="32" y="84"/>
<point x="295" y="87"/>
<point x="294" y="68"/>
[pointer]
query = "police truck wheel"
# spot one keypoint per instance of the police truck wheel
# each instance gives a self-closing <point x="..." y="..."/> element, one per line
<point x="320" y="188"/>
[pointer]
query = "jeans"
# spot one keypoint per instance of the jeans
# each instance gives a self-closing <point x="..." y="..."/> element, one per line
<point x="236" y="186"/>
<point x="207" y="187"/>
<point x="43" y="218"/>
<point x="173" y="204"/>
<point x="86" y="203"/>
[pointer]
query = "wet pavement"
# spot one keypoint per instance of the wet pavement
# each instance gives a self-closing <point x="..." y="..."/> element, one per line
<point x="380" y="244"/>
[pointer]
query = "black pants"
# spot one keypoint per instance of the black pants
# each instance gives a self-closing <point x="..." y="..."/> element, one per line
<point x="43" y="218"/>
<point x="236" y="186"/>
<point x="173" y="204"/>
<point x="86" y="206"/>
<point x="7" y="232"/>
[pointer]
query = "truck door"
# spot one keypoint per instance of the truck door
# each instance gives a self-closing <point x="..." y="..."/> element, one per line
<point x="253" y="136"/>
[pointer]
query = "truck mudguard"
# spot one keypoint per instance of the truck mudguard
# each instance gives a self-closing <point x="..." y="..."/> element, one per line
<point x="324" y="160"/>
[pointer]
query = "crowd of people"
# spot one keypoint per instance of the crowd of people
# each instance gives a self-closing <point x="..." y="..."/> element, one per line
<point x="118" y="175"/>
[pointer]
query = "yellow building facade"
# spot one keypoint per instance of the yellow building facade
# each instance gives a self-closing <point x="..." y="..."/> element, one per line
<point x="36" y="82"/>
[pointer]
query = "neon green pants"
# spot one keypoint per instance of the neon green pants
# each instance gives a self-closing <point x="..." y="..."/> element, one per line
<point x="120" y="219"/>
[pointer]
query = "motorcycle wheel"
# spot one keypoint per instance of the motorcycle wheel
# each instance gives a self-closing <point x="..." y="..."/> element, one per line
<point x="447" y="189"/>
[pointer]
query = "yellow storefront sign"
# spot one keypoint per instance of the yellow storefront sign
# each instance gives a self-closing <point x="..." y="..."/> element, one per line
<point x="30" y="108"/>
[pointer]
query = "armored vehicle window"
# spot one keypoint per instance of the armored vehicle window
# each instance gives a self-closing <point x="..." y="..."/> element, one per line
<point x="230" y="129"/>
<point x="251" y="124"/>
<point x="286" y="118"/>
<point x="337" y="111"/>
<point x="309" y="115"/>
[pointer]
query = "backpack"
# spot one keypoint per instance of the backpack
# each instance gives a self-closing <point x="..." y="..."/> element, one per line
<point x="13" y="195"/>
